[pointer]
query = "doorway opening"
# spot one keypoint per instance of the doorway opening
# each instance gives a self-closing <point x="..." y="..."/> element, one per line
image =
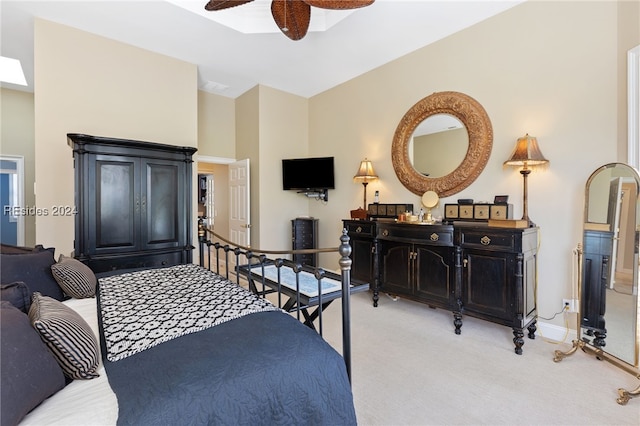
<point x="12" y="199"/>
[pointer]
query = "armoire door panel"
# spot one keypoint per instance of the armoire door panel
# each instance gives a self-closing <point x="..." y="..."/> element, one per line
<point x="161" y="204"/>
<point x="116" y="204"/>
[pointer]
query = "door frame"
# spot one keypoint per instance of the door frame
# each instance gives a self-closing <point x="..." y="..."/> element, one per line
<point x="633" y="106"/>
<point x="213" y="160"/>
<point x="19" y="198"/>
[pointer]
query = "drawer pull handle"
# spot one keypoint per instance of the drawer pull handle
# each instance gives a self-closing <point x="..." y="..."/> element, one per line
<point x="385" y="232"/>
<point x="485" y="241"/>
<point x="434" y="237"/>
<point x="359" y="229"/>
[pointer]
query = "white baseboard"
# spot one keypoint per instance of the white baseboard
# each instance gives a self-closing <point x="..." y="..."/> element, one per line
<point x="555" y="332"/>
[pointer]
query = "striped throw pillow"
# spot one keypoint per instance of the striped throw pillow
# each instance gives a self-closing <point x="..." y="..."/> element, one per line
<point x="68" y="336"/>
<point x="74" y="277"/>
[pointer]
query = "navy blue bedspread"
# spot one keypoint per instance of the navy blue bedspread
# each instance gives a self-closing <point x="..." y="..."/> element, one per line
<point x="262" y="369"/>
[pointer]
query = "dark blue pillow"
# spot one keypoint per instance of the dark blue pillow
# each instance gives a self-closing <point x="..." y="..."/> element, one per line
<point x="18" y="294"/>
<point x="34" y="269"/>
<point x="30" y="372"/>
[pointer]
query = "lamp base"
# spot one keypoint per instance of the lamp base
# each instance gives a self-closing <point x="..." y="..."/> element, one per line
<point x="509" y="223"/>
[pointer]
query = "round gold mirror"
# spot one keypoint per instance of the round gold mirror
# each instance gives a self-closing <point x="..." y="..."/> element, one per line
<point x="480" y="140"/>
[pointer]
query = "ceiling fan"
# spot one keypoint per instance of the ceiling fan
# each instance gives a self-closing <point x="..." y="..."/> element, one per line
<point x="292" y="16"/>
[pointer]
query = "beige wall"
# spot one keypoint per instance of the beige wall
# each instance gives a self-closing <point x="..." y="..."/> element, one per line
<point x="283" y="134"/>
<point x="272" y="125"/>
<point x="216" y="126"/>
<point x="17" y="138"/>
<point x="220" y="174"/>
<point x="551" y="69"/>
<point x="89" y="84"/>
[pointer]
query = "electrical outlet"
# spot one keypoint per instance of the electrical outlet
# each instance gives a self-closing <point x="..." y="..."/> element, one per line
<point x="572" y="304"/>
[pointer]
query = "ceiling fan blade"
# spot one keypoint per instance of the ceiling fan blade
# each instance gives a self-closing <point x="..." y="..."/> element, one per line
<point x="292" y="17"/>
<point x="224" y="4"/>
<point x="339" y="4"/>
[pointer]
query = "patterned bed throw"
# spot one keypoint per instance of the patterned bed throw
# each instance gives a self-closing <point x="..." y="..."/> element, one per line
<point x="143" y="309"/>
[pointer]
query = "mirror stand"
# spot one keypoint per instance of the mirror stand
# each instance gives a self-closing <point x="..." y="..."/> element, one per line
<point x="580" y="343"/>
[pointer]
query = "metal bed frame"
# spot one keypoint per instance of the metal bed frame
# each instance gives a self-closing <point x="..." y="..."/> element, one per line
<point x="258" y="258"/>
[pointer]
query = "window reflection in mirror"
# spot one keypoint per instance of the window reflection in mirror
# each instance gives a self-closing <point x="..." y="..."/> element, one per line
<point x="438" y="145"/>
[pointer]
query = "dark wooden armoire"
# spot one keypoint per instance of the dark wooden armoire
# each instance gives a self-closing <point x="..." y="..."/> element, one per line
<point x="133" y="203"/>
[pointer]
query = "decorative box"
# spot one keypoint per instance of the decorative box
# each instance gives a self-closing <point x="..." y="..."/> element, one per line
<point x="377" y="210"/>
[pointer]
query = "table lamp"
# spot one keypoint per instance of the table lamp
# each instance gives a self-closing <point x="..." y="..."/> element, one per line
<point x="365" y="175"/>
<point x="526" y="154"/>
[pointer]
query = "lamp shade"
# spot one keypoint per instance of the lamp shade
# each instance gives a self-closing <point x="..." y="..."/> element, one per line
<point x="526" y="153"/>
<point x="365" y="172"/>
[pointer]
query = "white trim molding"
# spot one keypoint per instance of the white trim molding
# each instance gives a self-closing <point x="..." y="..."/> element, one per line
<point x="633" y="106"/>
<point x="214" y="160"/>
<point x="557" y="333"/>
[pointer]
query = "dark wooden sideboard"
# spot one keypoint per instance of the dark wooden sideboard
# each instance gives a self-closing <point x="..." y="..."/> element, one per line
<point x="467" y="268"/>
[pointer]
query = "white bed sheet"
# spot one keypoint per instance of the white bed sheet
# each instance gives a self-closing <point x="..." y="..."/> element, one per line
<point x="82" y="402"/>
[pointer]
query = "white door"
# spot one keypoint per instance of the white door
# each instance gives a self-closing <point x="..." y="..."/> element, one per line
<point x="239" y="204"/>
<point x="209" y="202"/>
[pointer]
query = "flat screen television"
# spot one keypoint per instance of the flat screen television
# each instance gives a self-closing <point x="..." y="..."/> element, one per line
<point x="307" y="173"/>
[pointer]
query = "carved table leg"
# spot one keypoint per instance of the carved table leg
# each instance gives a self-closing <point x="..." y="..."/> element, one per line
<point x="518" y="340"/>
<point x="457" y="321"/>
<point x="532" y="330"/>
<point x="376" y="297"/>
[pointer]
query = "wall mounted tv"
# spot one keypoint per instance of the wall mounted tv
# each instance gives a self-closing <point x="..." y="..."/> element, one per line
<point x="305" y="174"/>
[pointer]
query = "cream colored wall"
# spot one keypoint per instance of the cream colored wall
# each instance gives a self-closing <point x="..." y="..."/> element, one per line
<point x="216" y="125"/>
<point x="17" y="138"/>
<point x="283" y="134"/>
<point x="272" y="125"/>
<point x="248" y="146"/>
<point x="547" y="68"/>
<point x="220" y="174"/>
<point x="89" y="84"/>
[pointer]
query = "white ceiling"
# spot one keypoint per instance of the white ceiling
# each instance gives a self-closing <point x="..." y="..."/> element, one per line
<point x="230" y="62"/>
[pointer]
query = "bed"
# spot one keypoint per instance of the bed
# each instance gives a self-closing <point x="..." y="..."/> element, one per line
<point x="173" y="345"/>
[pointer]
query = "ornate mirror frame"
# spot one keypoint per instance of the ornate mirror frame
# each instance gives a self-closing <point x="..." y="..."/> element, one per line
<point x="472" y="115"/>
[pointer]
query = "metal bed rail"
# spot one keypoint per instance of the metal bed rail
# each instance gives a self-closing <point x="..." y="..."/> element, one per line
<point x="246" y="259"/>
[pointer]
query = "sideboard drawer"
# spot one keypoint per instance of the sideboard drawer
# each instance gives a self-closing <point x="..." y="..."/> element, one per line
<point x="441" y="235"/>
<point x="360" y="228"/>
<point x="489" y="239"/>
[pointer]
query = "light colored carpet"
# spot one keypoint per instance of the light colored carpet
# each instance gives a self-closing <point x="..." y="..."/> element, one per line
<point x="410" y="368"/>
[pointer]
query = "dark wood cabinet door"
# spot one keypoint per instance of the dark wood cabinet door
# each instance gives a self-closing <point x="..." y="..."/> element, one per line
<point x="362" y="260"/>
<point x="395" y="267"/>
<point x="487" y="286"/>
<point x="433" y="274"/>
<point x="114" y="199"/>
<point x="160" y="207"/>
